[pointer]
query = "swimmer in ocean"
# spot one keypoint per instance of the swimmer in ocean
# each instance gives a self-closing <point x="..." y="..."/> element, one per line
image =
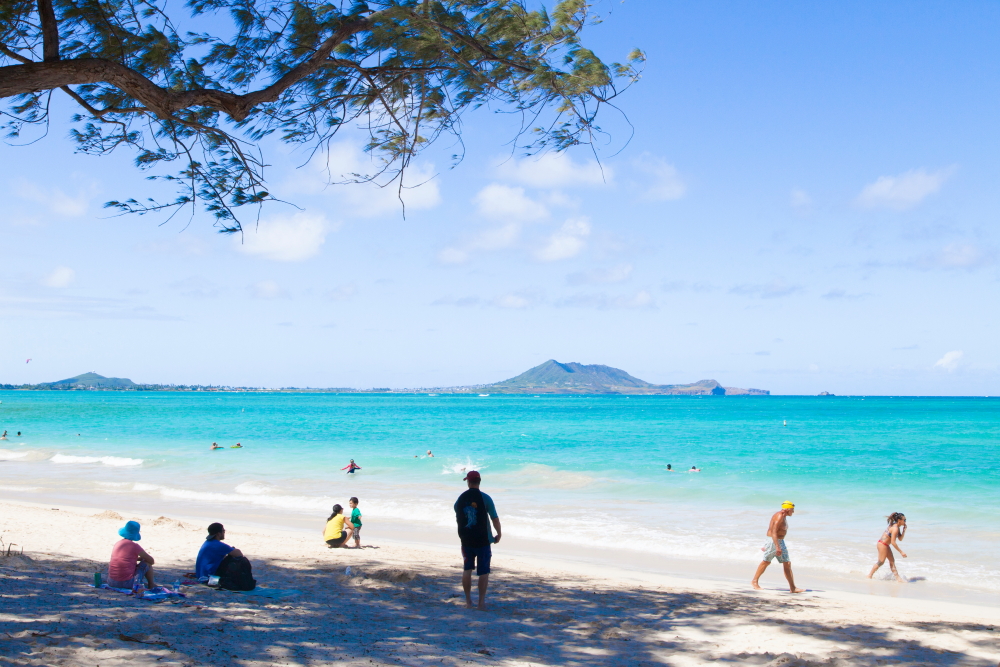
<point x="215" y="445"/>
<point x="670" y="468"/>
<point x="237" y="446"/>
<point x="694" y="469"/>
<point x="351" y="467"/>
<point x="4" y="436"/>
<point x="429" y="455"/>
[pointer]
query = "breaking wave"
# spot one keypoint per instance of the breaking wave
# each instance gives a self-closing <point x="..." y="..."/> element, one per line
<point x="115" y="461"/>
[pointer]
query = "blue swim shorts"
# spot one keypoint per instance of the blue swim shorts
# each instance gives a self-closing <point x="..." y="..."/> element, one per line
<point x="477" y="559"/>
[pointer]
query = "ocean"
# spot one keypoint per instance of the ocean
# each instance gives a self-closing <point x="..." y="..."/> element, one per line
<point x="569" y="472"/>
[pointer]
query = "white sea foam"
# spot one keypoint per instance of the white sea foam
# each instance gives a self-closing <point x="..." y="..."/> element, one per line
<point x="255" y="488"/>
<point x="20" y="488"/>
<point x="10" y="455"/>
<point x="299" y="503"/>
<point x="461" y="468"/>
<point x="543" y="476"/>
<point x="115" y="461"/>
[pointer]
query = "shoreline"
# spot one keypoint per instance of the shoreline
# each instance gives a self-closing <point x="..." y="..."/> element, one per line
<point x="717" y="576"/>
<point x="403" y="604"/>
<point x="732" y="575"/>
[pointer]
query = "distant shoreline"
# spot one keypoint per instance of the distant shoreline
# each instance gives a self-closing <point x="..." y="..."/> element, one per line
<point x="474" y="393"/>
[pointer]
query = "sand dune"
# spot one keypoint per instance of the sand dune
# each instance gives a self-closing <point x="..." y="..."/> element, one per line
<point x="404" y="605"/>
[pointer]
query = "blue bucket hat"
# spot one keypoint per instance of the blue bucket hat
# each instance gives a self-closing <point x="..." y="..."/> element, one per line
<point x="130" y="531"/>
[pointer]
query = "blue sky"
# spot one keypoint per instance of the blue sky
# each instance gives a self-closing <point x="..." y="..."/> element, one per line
<point x="808" y="203"/>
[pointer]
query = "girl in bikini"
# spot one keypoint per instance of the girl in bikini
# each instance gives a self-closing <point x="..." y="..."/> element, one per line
<point x="891" y="538"/>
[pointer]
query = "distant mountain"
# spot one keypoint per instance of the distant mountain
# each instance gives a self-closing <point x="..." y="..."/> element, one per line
<point x="554" y="377"/>
<point x="89" y="381"/>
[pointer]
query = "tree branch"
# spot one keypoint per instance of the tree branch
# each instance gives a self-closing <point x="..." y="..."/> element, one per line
<point x="50" y="31"/>
<point x="14" y="55"/>
<point x="311" y="64"/>
<point x="32" y="77"/>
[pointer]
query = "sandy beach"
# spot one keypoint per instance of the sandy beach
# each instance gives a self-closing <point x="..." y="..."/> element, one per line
<point x="403" y="604"/>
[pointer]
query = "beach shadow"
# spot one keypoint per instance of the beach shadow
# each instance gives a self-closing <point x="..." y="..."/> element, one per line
<point x="385" y="614"/>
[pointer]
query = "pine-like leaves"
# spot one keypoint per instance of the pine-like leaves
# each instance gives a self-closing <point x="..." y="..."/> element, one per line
<point x="223" y="74"/>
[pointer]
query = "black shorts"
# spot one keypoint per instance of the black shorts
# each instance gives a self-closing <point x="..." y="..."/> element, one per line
<point x="477" y="558"/>
<point x="338" y="542"/>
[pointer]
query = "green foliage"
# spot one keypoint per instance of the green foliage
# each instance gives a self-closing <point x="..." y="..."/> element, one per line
<point x="227" y="73"/>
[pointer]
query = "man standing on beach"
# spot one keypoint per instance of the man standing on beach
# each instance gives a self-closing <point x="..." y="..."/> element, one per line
<point x="775" y="546"/>
<point x="474" y="510"/>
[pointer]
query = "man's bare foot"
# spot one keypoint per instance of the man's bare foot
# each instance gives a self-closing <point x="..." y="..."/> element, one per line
<point x="798" y="590"/>
<point x="481" y="607"/>
<point x="469" y="605"/>
<point x="869" y="576"/>
<point x="755" y="585"/>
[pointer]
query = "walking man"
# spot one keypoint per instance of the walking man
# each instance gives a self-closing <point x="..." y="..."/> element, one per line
<point x="474" y="510"/>
<point x="775" y="546"/>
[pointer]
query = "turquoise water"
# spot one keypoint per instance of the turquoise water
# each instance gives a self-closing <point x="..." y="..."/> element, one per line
<point x="573" y="470"/>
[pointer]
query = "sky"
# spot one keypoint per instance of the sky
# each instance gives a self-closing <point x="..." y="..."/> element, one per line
<point x="799" y="197"/>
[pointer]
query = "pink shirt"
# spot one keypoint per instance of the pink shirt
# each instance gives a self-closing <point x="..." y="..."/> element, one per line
<point x="123" y="560"/>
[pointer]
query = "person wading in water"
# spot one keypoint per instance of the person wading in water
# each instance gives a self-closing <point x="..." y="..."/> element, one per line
<point x="891" y="538"/>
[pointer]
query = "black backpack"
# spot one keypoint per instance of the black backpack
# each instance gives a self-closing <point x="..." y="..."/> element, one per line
<point x="236" y="574"/>
<point x="472" y="518"/>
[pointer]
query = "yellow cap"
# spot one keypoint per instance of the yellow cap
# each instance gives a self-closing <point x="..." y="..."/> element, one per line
<point x="788" y="505"/>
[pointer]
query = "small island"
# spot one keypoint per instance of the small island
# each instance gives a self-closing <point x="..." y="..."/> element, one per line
<point x="551" y="377"/>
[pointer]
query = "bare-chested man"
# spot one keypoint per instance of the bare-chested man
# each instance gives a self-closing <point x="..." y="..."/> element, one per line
<point x="775" y="546"/>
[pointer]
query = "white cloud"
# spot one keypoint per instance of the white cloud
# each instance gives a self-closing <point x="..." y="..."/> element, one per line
<point x="495" y="238"/>
<point x="836" y="294"/>
<point x="683" y="285"/>
<point x="904" y="191"/>
<point x="614" y="274"/>
<point x="496" y="202"/>
<point x="54" y="199"/>
<point x="342" y="292"/>
<point x="267" y="289"/>
<point x="957" y="256"/>
<point x="61" y="276"/>
<point x="197" y="287"/>
<point x="503" y="202"/>
<point x="567" y="242"/>
<point x="950" y="360"/>
<point x="290" y="238"/>
<point x="512" y="301"/>
<point x="667" y="184"/>
<point x="330" y="173"/>
<point x="554" y="170"/>
<point x="771" y="290"/>
<point x="452" y="255"/>
<point x="518" y="300"/>
<point x="641" y="299"/>
<point x="800" y="201"/>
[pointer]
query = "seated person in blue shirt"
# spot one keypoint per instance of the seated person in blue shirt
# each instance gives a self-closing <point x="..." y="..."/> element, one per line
<point x="213" y="551"/>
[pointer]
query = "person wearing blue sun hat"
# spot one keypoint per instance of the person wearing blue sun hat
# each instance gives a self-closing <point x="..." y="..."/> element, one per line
<point x="130" y="563"/>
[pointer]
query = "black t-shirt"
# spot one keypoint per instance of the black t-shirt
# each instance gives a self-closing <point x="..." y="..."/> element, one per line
<point x="472" y="518"/>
